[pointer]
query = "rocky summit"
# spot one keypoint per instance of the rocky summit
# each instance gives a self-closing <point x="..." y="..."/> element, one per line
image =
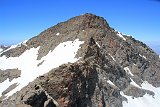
<point x="82" y="62"/>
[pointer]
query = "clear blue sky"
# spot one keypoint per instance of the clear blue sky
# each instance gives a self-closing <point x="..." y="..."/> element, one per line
<point x="23" y="19"/>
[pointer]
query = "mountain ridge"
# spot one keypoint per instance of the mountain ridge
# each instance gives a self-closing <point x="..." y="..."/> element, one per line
<point x="104" y="67"/>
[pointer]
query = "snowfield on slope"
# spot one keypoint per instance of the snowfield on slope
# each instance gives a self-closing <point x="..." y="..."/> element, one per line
<point x="28" y="64"/>
<point x="145" y="101"/>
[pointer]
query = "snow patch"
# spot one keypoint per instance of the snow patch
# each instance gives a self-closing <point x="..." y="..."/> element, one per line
<point x="112" y="57"/>
<point x="24" y="42"/>
<point x="128" y="71"/>
<point x="18" y="45"/>
<point x="145" y="101"/>
<point x="27" y="63"/>
<point x="5" y="85"/>
<point x="110" y="82"/>
<point x="98" y="44"/>
<point x="142" y="56"/>
<point x="135" y="84"/>
<point x="13" y="46"/>
<point x="57" y="34"/>
<point x="120" y="35"/>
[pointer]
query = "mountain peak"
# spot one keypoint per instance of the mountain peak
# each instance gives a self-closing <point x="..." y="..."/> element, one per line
<point x="81" y="62"/>
<point x="77" y="27"/>
<point x="89" y="20"/>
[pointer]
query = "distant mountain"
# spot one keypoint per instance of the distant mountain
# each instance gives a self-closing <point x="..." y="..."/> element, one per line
<point x="2" y="48"/>
<point x="155" y="47"/>
<point x="82" y="62"/>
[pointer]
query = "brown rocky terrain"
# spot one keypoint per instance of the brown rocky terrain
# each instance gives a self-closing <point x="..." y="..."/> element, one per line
<point x="9" y="74"/>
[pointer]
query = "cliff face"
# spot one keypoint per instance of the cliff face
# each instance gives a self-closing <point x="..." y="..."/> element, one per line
<point x="112" y="69"/>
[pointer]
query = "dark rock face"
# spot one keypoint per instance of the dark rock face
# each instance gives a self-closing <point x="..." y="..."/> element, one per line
<point x="32" y="95"/>
<point x="37" y="100"/>
<point x="97" y="79"/>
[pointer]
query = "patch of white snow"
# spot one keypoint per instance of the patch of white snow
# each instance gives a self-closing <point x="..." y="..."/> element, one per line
<point x="24" y="42"/>
<point x="98" y="44"/>
<point x="18" y="45"/>
<point x="135" y="84"/>
<point x="142" y="56"/>
<point x="57" y="34"/>
<point x="145" y="101"/>
<point x="120" y="35"/>
<point x="13" y="46"/>
<point x="128" y="71"/>
<point x="112" y="57"/>
<point x="110" y="82"/>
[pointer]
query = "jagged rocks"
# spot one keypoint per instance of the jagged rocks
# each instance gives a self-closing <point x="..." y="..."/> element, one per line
<point x="32" y="95"/>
